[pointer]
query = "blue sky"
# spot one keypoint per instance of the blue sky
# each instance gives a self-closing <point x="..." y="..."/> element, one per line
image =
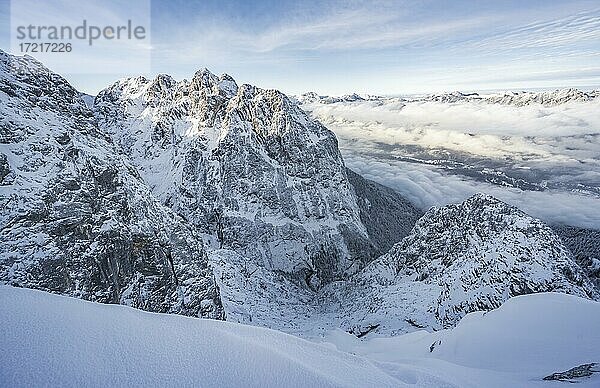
<point x="380" y="47"/>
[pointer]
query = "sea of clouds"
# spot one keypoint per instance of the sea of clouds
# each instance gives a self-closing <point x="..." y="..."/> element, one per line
<point x="557" y="147"/>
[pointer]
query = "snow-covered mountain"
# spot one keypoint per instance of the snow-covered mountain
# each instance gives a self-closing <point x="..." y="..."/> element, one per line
<point x="548" y="98"/>
<point x="210" y="199"/>
<point x="312" y="97"/>
<point x="109" y="201"/>
<point x="245" y="166"/>
<point x="523" y="98"/>
<point x="483" y="251"/>
<point x="77" y="218"/>
<point x="458" y="259"/>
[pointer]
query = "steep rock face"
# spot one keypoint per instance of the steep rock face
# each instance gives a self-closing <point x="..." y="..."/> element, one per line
<point x="77" y="219"/>
<point x="457" y="259"/>
<point x="4" y="168"/>
<point x="254" y="295"/>
<point x="483" y="251"/>
<point x="245" y="166"/>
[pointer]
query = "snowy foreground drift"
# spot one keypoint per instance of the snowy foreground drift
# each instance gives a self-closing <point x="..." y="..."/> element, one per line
<point x="54" y="340"/>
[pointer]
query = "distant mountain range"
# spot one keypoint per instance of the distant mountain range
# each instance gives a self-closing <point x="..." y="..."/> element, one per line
<point x="547" y="98"/>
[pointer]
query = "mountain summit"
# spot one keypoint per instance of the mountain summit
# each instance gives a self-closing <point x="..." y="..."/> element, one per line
<point x="246" y="166"/>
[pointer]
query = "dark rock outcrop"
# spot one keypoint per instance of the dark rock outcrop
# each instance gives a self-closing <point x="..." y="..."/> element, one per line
<point x="387" y="215"/>
<point x="577" y="372"/>
<point x="584" y="243"/>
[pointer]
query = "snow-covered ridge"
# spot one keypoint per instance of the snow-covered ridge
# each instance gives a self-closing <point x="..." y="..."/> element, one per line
<point x="517" y="98"/>
<point x="457" y="259"/>
<point x="312" y="97"/>
<point x="58" y="341"/>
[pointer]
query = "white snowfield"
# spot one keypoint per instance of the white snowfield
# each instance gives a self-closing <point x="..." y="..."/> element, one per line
<point x="50" y="340"/>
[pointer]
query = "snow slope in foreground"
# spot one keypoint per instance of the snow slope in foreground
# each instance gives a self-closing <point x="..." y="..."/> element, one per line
<point x="527" y="338"/>
<point x="49" y="340"/>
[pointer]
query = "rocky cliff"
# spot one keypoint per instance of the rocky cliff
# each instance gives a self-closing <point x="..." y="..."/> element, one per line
<point x="246" y="167"/>
<point x="77" y="218"/>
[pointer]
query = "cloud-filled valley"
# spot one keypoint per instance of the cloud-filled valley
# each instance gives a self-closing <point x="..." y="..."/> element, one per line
<point x="543" y="158"/>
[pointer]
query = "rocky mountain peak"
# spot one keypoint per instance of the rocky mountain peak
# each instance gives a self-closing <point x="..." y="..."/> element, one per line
<point x="161" y="83"/>
<point x="77" y="217"/>
<point x="203" y="79"/>
<point x="245" y="165"/>
<point x="209" y="83"/>
<point x="482" y="251"/>
<point x="26" y="78"/>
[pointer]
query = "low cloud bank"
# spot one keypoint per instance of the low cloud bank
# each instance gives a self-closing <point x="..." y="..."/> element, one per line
<point x="425" y="187"/>
<point x="553" y="146"/>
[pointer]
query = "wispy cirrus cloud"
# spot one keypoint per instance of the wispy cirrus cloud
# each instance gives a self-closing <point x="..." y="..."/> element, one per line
<point x="393" y="47"/>
<point x="348" y="29"/>
<point x="357" y="30"/>
<point x="367" y="26"/>
<point x="380" y="46"/>
<point x="573" y="29"/>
